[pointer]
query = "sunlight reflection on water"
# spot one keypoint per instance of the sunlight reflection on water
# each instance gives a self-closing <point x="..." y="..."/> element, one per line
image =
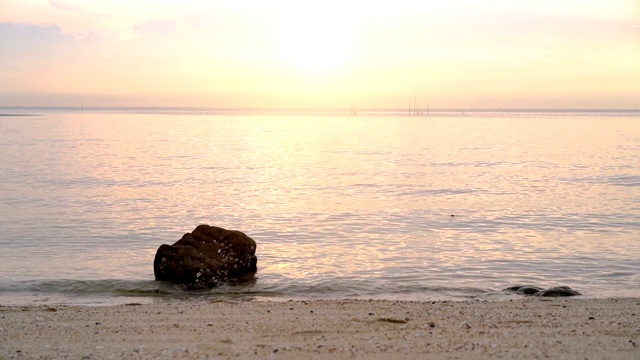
<point x="337" y="204"/>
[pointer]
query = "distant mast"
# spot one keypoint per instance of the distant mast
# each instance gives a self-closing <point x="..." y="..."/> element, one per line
<point x="415" y="97"/>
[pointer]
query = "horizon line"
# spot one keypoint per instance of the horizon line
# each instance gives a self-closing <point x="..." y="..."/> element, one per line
<point x="324" y="109"/>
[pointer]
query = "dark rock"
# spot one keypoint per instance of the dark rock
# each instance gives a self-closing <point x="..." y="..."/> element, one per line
<point x="537" y="291"/>
<point x="205" y="257"/>
<point x="557" y="292"/>
<point x="524" y="289"/>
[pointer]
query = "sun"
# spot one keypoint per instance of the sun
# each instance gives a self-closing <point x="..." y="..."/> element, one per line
<point x="316" y="43"/>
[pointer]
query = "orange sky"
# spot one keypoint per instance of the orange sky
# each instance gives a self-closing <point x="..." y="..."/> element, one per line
<point x="510" y="54"/>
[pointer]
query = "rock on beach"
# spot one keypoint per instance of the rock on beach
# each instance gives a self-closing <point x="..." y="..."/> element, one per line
<point x="205" y="257"/>
<point x="558" y="291"/>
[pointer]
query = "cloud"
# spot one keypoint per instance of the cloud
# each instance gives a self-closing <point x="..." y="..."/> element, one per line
<point x="158" y="27"/>
<point x="28" y="51"/>
<point x="21" y="39"/>
<point x="61" y="5"/>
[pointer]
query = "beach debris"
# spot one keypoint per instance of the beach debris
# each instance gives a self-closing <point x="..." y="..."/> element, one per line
<point x="557" y="291"/>
<point x="205" y="257"/>
<point x="393" y="321"/>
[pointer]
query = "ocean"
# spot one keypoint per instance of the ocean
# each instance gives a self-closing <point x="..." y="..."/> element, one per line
<point x="379" y="204"/>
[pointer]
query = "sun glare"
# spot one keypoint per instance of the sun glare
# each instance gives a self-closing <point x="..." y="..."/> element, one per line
<point x="316" y="44"/>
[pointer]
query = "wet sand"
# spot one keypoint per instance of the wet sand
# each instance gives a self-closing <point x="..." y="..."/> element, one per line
<point x="533" y="328"/>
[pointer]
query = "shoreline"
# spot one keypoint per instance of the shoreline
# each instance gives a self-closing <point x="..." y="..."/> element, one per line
<point x="517" y="328"/>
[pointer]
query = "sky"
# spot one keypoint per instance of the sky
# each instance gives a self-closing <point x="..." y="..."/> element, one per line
<point x="321" y="54"/>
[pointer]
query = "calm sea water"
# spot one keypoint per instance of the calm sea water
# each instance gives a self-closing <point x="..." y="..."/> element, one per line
<point x="377" y="205"/>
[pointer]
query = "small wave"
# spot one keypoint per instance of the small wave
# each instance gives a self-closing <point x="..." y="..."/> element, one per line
<point x="616" y="180"/>
<point x="335" y="288"/>
<point x="88" y="287"/>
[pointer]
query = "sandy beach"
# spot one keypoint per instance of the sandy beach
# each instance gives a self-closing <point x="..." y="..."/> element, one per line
<point x="534" y="328"/>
